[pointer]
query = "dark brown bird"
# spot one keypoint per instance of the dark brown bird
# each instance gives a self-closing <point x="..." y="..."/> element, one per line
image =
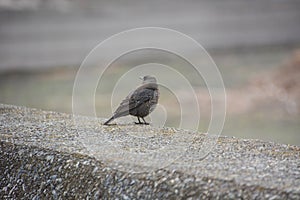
<point x="140" y="102"/>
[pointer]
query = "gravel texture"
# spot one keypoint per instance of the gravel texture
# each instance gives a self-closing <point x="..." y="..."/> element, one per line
<point x="48" y="155"/>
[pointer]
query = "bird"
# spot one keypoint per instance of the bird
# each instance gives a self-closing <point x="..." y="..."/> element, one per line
<point x="139" y="103"/>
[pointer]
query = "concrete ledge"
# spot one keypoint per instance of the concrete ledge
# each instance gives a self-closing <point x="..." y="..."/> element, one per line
<point x="45" y="155"/>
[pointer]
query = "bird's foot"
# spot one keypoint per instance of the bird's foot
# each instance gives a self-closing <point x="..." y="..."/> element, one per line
<point x="146" y="123"/>
<point x="141" y="123"/>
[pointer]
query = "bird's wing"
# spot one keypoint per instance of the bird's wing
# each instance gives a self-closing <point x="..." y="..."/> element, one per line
<point x="133" y="100"/>
<point x="140" y="97"/>
<point x="123" y="108"/>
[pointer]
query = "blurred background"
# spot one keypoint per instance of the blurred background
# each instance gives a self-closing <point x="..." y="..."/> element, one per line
<point x="255" y="44"/>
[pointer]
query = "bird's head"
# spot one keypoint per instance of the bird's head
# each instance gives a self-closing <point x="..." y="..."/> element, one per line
<point x="148" y="79"/>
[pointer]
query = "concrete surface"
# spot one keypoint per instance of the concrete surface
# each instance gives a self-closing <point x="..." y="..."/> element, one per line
<point x="50" y="155"/>
<point x="62" y="33"/>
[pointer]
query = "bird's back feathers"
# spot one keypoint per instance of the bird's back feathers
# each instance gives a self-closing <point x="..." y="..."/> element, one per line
<point x="146" y="95"/>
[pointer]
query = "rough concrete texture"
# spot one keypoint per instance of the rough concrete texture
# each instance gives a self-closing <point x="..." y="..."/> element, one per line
<point x="48" y="155"/>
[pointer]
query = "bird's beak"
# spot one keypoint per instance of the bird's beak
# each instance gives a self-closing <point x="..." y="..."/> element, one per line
<point x="142" y="78"/>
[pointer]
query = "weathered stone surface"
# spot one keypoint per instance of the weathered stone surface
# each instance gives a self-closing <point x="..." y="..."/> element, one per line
<point x="48" y="155"/>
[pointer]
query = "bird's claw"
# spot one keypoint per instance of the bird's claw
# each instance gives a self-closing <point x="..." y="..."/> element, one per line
<point x="141" y="123"/>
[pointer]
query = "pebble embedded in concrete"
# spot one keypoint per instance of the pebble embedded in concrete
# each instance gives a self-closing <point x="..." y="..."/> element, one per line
<point x="49" y="155"/>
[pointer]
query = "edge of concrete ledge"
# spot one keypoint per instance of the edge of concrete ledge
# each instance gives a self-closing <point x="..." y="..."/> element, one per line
<point x="42" y="157"/>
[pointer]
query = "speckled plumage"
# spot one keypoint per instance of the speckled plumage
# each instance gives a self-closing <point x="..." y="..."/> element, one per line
<point x="139" y="103"/>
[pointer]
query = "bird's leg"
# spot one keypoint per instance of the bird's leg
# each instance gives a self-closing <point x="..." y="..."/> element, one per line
<point x="146" y="123"/>
<point x="139" y="121"/>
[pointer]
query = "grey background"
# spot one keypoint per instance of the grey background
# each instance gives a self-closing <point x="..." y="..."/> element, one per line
<point x="61" y="33"/>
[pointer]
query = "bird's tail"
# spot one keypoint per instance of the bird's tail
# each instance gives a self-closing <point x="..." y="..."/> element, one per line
<point x="112" y="118"/>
